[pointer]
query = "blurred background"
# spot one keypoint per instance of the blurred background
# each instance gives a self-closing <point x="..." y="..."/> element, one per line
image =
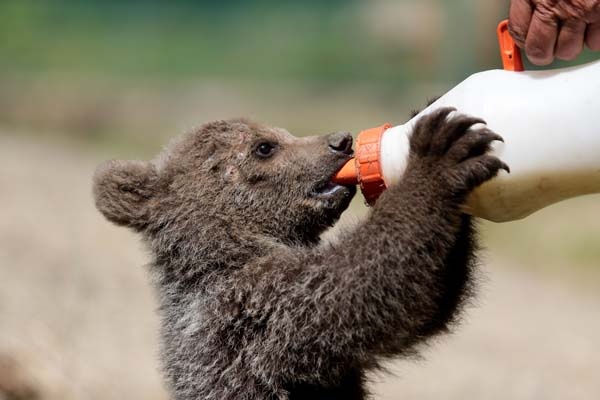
<point x="84" y="81"/>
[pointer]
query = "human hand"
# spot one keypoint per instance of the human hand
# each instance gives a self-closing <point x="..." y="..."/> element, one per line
<point x="554" y="28"/>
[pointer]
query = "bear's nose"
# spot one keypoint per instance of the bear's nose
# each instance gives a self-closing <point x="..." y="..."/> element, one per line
<point x="340" y="142"/>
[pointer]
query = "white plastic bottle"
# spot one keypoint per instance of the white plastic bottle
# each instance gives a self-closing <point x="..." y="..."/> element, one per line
<point x="550" y="122"/>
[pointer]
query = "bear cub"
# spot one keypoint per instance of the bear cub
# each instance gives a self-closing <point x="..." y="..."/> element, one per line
<point x="253" y="305"/>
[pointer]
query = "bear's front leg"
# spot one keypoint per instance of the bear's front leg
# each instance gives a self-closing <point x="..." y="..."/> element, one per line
<point x="396" y="280"/>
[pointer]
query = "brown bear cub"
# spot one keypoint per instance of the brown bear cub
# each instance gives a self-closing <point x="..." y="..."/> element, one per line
<point x="253" y="306"/>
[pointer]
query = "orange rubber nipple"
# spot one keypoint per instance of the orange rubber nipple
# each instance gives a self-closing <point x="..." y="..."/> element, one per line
<point x="348" y="175"/>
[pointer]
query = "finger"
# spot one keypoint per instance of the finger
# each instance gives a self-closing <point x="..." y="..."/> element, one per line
<point x="592" y="36"/>
<point x="519" y="20"/>
<point x="541" y="38"/>
<point x="570" y="39"/>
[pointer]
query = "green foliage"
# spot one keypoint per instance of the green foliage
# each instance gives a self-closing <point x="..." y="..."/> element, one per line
<point x="157" y="40"/>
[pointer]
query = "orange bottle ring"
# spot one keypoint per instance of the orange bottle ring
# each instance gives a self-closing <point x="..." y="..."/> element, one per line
<point x="368" y="164"/>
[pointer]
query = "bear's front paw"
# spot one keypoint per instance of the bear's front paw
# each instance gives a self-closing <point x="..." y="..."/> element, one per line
<point x="448" y="150"/>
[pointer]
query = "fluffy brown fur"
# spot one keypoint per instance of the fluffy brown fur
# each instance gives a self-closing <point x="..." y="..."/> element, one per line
<point x="252" y="305"/>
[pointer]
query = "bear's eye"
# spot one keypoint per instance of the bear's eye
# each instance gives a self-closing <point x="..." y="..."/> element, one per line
<point x="265" y="149"/>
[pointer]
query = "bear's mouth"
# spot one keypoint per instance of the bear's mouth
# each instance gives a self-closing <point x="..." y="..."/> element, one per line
<point x="328" y="190"/>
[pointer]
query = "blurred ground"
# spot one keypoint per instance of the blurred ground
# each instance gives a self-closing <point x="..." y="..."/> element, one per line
<point x="75" y="308"/>
<point x="77" y="312"/>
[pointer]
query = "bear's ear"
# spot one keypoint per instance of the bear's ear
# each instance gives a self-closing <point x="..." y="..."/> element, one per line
<point x="123" y="191"/>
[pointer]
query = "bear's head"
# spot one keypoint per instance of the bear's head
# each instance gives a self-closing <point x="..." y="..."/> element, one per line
<point x="249" y="177"/>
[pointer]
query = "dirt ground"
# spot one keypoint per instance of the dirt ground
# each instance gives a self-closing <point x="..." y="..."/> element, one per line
<point x="77" y="315"/>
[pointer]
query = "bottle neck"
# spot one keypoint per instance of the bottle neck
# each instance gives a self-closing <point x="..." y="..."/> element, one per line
<point x="395" y="148"/>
